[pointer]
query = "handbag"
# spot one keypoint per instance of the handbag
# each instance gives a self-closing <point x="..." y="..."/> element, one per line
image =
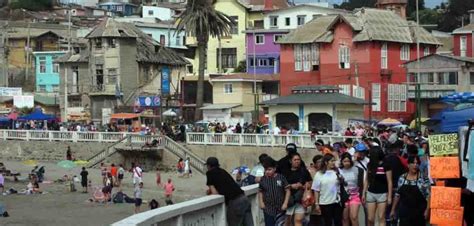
<point x="343" y="194"/>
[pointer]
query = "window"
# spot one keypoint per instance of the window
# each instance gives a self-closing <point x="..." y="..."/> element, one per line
<point x="301" y="19"/>
<point x="463" y="46"/>
<point x="55" y="88"/>
<point x="119" y="8"/>
<point x="250" y="62"/>
<point x="276" y="38"/>
<point x="150" y="12"/>
<point x="42" y="64"/>
<point x="376" y="96"/>
<point x="425" y="78"/>
<point x="55" y="66"/>
<point x="258" y="24"/>
<point x="228" y="88"/>
<point x="112" y="42"/>
<point x="99" y="75"/>
<point x="426" y="51"/>
<point x="306" y="57"/>
<point x="229" y="57"/>
<point x="177" y="41"/>
<point x="162" y="40"/>
<point x="234" y="29"/>
<point x="397" y="98"/>
<point x="98" y="43"/>
<point x="287" y="21"/>
<point x="358" y="92"/>
<point x="345" y="89"/>
<point x="112" y="76"/>
<point x="448" y="78"/>
<point x="271" y="62"/>
<point x="344" y="57"/>
<point x="42" y="88"/>
<point x="75" y="79"/>
<point x="273" y="21"/>
<point x="405" y="52"/>
<point x="471" y="75"/>
<point x="259" y="39"/>
<point x="262" y="62"/>
<point x="384" y="56"/>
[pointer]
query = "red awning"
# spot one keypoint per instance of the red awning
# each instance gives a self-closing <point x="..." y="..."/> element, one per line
<point x="124" y="116"/>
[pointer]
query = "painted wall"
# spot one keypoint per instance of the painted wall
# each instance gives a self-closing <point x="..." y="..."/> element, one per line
<point x="169" y="34"/>
<point x="161" y="13"/>
<point x="242" y="93"/>
<point x="269" y="49"/>
<point x="293" y="14"/>
<point x="457" y="45"/>
<point x="48" y="80"/>
<point x="125" y="9"/>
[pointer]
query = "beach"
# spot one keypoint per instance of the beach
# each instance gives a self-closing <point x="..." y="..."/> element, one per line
<point x="61" y="207"/>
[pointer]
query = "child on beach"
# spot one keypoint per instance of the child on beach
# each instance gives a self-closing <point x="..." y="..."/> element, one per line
<point x="84" y="175"/>
<point x="103" y="173"/>
<point x="158" y="177"/>
<point x="113" y="171"/>
<point x="137" y="193"/>
<point x="121" y="173"/>
<point x="169" y="189"/>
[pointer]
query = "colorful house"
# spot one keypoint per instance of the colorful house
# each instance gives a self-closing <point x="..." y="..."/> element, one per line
<point x="462" y="38"/>
<point x="47" y="71"/>
<point x="362" y="53"/>
<point x="122" y="8"/>
<point x="262" y="43"/>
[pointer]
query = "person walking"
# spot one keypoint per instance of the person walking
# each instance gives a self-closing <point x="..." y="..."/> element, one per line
<point x="169" y="189"/>
<point x="137" y="194"/>
<point x="186" y="168"/>
<point x="353" y="176"/>
<point x="137" y="175"/>
<point x="273" y="194"/>
<point x="103" y="173"/>
<point x="238" y="208"/>
<point x="121" y="173"/>
<point x="113" y="172"/>
<point x="315" y="218"/>
<point x="299" y="180"/>
<point x="377" y="187"/>
<point x="84" y="180"/>
<point x="326" y="191"/>
<point x="413" y="196"/>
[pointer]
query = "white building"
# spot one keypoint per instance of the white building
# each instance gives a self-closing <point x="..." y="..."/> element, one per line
<point x="162" y="11"/>
<point x="295" y="16"/>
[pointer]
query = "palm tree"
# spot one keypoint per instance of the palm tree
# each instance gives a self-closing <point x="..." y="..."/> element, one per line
<point x="202" y="21"/>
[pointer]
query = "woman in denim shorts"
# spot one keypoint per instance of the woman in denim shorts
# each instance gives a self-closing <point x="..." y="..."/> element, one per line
<point x="377" y="186"/>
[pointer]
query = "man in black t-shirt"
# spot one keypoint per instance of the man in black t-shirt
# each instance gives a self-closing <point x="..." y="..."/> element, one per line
<point x="392" y="159"/>
<point x="239" y="211"/>
<point x="284" y="165"/>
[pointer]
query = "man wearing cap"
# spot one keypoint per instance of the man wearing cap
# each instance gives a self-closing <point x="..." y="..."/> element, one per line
<point x="360" y="158"/>
<point x="220" y="182"/>
<point x="284" y="164"/>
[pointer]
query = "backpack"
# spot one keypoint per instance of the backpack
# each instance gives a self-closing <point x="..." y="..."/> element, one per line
<point x="360" y="180"/>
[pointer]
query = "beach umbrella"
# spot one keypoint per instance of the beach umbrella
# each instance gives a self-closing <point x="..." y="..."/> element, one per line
<point x="66" y="164"/>
<point x="30" y="162"/>
<point x="389" y="122"/>
<point x="413" y="122"/>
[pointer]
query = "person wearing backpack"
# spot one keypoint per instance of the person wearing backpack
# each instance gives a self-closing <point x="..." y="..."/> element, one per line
<point x="394" y="161"/>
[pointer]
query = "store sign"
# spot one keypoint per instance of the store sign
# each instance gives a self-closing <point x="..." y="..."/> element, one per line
<point x="165" y="80"/>
<point x="10" y="91"/>
<point x="148" y="101"/>
<point x="23" y="101"/>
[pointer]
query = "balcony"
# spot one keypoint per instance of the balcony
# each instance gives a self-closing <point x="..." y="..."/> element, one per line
<point x="386" y="72"/>
<point x="103" y="89"/>
<point x="431" y="91"/>
<point x="266" y="97"/>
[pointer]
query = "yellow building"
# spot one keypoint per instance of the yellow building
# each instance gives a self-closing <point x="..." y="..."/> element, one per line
<point x="246" y="14"/>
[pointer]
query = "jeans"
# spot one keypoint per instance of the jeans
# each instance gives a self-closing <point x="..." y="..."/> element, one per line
<point x="332" y="213"/>
<point x="239" y="212"/>
<point x="278" y="220"/>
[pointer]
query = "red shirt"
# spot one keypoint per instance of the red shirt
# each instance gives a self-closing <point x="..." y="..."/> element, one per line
<point x="113" y="171"/>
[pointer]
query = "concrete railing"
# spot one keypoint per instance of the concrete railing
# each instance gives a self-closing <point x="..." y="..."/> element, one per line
<point x="67" y="136"/>
<point x="207" y="210"/>
<point x="269" y="140"/>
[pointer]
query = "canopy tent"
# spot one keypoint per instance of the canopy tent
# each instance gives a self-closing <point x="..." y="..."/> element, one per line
<point x="37" y="115"/>
<point x="12" y="116"/>
<point x="124" y="116"/>
<point x="449" y="121"/>
<point x="389" y="122"/>
<point x="170" y="113"/>
<point x="461" y="97"/>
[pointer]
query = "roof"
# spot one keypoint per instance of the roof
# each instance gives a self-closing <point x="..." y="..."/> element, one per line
<point x="82" y="57"/>
<point x="315" y="98"/>
<point x="220" y="106"/>
<point x="148" y="50"/>
<point x="457" y="58"/>
<point x="333" y="10"/>
<point x="368" y="25"/>
<point x="468" y="29"/>
<point x="246" y="77"/>
<point x="169" y="5"/>
<point x="46" y="99"/>
<point x="258" y="5"/>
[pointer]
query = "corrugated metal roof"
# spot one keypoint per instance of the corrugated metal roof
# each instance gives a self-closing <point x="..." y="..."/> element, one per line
<point x="468" y="29"/>
<point x="220" y="106"/>
<point x="258" y="5"/>
<point x="82" y="57"/>
<point x="368" y="24"/>
<point x="315" y="98"/>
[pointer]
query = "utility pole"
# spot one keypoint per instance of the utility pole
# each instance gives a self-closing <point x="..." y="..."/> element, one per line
<point x="417" y="88"/>
<point x="65" y="66"/>
<point x="255" y="92"/>
<point x="4" y="54"/>
<point x="27" y="49"/>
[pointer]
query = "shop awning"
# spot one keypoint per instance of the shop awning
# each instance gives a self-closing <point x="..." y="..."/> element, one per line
<point x="124" y="116"/>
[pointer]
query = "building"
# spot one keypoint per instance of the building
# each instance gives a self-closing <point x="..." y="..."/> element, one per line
<point x="310" y="108"/>
<point x="90" y="3"/>
<point x="231" y="49"/>
<point x="439" y="75"/>
<point x="47" y="71"/>
<point x="446" y="40"/>
<point x="397" y="6"/>
<point x="462" y="38"/>
<point x="123" y="64"/>
<point x="361" y="52"/>
<point x="165" y="33"/>
<point x="162" y="11"/>
<point x="120" y="8"/>
<point x="261" y="43"/>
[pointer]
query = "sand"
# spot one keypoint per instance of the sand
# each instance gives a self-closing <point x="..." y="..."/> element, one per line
<point x="60" y="207"/>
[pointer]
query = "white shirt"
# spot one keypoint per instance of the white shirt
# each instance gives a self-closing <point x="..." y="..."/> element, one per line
<point x="351" y="151"/>
<point x="328" y="187"/>
<point x="186" y="165"/>
<point x="276" y="130"/>
<point x="362" y="163"/>
<point x="137" y="172"/>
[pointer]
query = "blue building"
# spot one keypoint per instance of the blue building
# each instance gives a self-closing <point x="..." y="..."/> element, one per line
<point x="123" y="8"/>
<point x="165" y="33"/>
<point x="47" y="71"/>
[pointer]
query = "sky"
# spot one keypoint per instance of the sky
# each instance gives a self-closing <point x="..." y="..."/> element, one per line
<point x="428" y="3"/>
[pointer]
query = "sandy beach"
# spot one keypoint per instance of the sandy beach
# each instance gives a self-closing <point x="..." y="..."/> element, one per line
<point x="60" y="207"/>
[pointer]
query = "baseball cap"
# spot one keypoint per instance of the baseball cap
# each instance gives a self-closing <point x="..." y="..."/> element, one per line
<point x="212" y="162"/>
<point x="360" y="147"/>
<point x="291" y="147"/>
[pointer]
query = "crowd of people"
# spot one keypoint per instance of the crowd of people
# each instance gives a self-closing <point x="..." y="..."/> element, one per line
<point x="386" y="177"/>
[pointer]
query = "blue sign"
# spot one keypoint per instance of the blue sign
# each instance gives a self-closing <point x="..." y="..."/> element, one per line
<point x="148" y="101"/>
<point x="165" y="80"/>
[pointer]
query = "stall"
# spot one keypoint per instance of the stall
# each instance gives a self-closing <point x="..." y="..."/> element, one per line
<point x="125" y="120"/>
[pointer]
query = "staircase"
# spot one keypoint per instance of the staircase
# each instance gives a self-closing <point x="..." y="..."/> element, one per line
<point x="167" y="143"/>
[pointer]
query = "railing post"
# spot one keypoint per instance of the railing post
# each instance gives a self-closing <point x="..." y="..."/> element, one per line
<point x="257" y="140"/>
<point x="50" y="136"/>
<point x="28" y="134"/>
<point x="272" y="140"/>
<point x="74" y="136"/>
<point x="4" y="134"/>
<point x="187" y="138"/>
<point x="241" y="139"/>
<point x="100" y="137"/>
<point x="205" y="139"/>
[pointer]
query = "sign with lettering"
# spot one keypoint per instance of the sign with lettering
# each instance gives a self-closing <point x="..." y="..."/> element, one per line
<point x="165" y="80"/>
<point x="445" y="197"/>
<point x="444" y="144"/>
<point x="447" y="217"/>
<point x="23" y="101"/>
<point x="444" y="167"/>
<point x="11" y="91"/>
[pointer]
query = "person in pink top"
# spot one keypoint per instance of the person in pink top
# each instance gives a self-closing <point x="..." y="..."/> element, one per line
<point x="169" y="189"/>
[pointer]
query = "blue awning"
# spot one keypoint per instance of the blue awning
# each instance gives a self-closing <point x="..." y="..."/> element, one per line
<point x="460" y="97"/>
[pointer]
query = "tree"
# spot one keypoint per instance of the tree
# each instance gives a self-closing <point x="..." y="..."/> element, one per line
<point x="456" y="13"/>
<point x="32" y="4"/>
<point x="353" y="4"/>
<point x="202" y="21"/>
<point x="242" y="67"/>
<point x="411" y="7"/>
<point x="428" y="16"/>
